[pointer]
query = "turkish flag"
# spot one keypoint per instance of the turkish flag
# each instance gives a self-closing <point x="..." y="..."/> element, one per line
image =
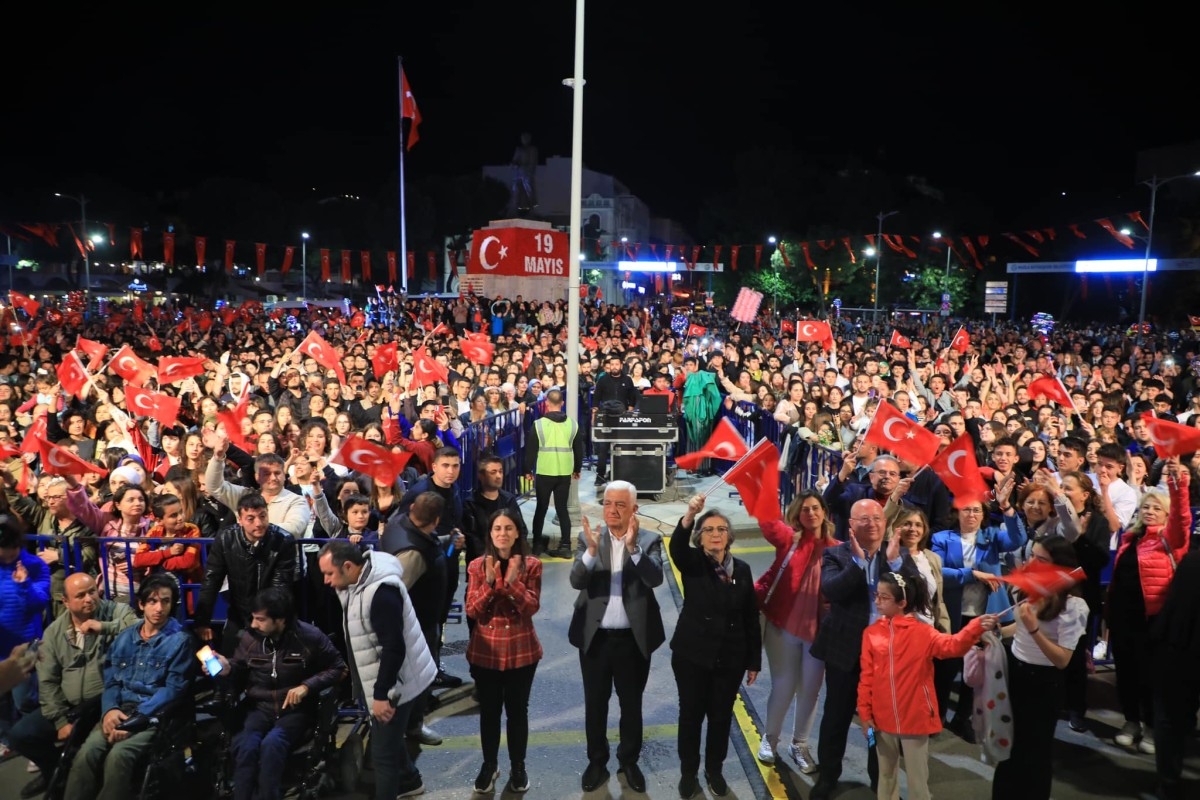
<point x="899" y="340"/>
<point x="385" y="359"/>
<point x="154" y="344"/>
<point x="229" y="245"/>
<point x="756" y="477"/>
<point x="358" y="319"/>
<point x="961" y="341"/>
<point x="95" y="351"/>
<point x="61" y="461"/>
<point x="1051" y="388"/>
<point x="477" y="352"/>
<point x="201" y="249"/>
<point x="441" y="330"/>
<point x="409" y="110"/>
<point x="260" y="257"/>
<point x="132" y="369"/>
<point x="319" y="350"/>
<point x="173" y="369"/>
<point x="478" y="337"/>
<point x="426" y="370"/>
<point x="589" y="343"/>
<point x="155" y="405"/>
<point x="359" y="455"/>
<point x="725" y="443"/>
<point x="812" y="330"/>
<point x="958" y="469"/>
<point x="1038" y="580"/>
<point x="896" y="433"/>
<point x="24" y="302"/>
<point x="696" y="330"/>
<point x="232" y="420"/>
<point x="72" y="375"/>
<point x="1171" y="438"/>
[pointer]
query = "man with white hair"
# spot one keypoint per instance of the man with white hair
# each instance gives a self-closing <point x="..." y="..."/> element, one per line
<point x="616" y="626"/>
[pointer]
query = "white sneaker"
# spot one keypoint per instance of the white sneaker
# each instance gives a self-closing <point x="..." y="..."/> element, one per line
<point x="1130" y="733"/>
<point x="1146" y="745"/>
<point x="1100" y="651"/>
<point x="766" y="753"/>
<point x="32" y="768"/>
<point x="803" y="758"/>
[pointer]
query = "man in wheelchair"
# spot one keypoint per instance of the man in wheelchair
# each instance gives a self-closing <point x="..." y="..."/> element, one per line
<point x="283" y="664"/>
<point x="70" y="667"/>
<point x="147" y="669"/>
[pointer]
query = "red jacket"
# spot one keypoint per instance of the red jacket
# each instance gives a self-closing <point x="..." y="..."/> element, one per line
<point x="504" y="636"/>
<point x="1155" y="566"/>
<point x="795" y="605"/>
<point x="895" y="687"/>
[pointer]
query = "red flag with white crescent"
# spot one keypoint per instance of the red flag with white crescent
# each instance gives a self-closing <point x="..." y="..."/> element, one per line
<point x="724" y="443"/>
<point x="319" y="350"/>
<point x="360" y="455"/>
<point x="1171" y="438"/>
<point x="958" y="469"/>
<point x="132" y="369"/>
<point x="814" y="330"/>
<point x="95" y="351"/>
<point x="477" y="352"/>
<point x="961" y="341"/>
<point x="1051" y="388"/>
<point x="232" y="420"/>
<point x="898" y="434"/>
<point x="756" y="477"/>
<point x="144" y="403"/>
<point x="61" y="461"/>
<point x="173" y="369"/>
<point x="385" y="359"/>
<point x="1038" y="580"/>
<point x="72" y="375"/>
<point x="697" y="330"/>
<point x="426" y="369"/>
<point x="900" y="340"/>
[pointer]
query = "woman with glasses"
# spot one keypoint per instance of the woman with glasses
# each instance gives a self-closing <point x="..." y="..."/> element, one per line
<point x="716" y="643"/>
<point x="971" y="556"/>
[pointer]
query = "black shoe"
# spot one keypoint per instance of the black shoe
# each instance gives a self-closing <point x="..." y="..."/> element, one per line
<point x="564" y="550"/>
<point x="688" y="786"/>
<point x="518" y="779"/>
<point x="823" y="790"/>
<point x="539" y="549"/>
<point x="34" y="788"/>
<point x="1077" y="722"/>
<point x="485" y="781"/>
<point x="716" y="783"/>
<point x="595" y="776"/>
<point x="633" y="777"/>
<point x="445" y="680"/>
<point x="426" y="736"/>
<point x="413" y="788"/>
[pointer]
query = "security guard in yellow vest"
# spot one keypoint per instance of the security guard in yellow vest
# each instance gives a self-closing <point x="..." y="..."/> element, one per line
<point x="553" y="458"/>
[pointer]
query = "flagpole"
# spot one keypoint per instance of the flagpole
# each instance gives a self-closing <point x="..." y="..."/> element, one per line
<point x="717" y="484"/>
<point x="403" y="230"/>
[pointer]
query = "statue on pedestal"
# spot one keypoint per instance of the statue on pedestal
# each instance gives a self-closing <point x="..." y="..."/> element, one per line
<point x="524" y="184"/>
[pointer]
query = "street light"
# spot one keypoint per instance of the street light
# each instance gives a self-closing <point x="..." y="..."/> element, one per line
<point x="938" y="235"/>
<point x="881" y="216"/>
<point x="1153" y="183"/>
<point x="303" y="264"/>
<point x="87" y="265"/>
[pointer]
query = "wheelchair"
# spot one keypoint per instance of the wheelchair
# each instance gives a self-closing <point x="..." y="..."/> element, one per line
<point x="164" y="770"/>
<point x="318" y="766"/>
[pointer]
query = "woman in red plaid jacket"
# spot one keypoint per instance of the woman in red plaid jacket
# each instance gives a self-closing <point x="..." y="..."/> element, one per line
<point x="504" y="588"/>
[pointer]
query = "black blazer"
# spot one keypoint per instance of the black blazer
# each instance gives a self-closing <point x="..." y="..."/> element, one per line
<point x="844" y="586"/>
<point x="718" y="624"/>
<point x="638" y="582"/>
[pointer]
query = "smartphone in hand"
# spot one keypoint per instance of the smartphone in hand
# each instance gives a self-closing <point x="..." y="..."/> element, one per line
<point x="212" y="664"/>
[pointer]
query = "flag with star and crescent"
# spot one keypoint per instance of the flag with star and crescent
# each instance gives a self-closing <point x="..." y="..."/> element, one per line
<point x="898" y="434"/>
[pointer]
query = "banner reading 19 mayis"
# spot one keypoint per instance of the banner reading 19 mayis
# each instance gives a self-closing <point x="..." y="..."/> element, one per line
<point x="520" y="252"/>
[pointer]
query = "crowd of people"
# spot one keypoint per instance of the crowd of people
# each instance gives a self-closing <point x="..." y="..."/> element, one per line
<point x="172" y="480"/>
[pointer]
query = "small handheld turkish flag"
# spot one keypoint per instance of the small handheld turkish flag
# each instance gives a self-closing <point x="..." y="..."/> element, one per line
<point x="756" y="477"/>
<point x="958" y="469"/>
<point x="174" y="369"/>
<point x="134" y="370"/>
<point x="814" y="330"/>
<point x="477" y="352"/>
<point x="1039" y="580"/>
<point x="61" y="461"/>
<point x="724" y="443"/>
<point x="72" y="375"/>
<point x="161" y="407"/>
<point x="93" y="350"/>
<point x="899" y="340"/>
<point x="426" y="369"/>
<point x="360" y="455"/>
<point x="961" y="341"/>
<point x="385" y="359"/>
<point x="898" y="434"/>
<point x="1171" y="438"/>
<point x="319" y="350"/>
<point x="696" y="330"/>
<point x="1051" y="388"/>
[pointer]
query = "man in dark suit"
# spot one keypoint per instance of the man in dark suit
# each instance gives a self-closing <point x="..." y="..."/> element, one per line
<point x="616" y="626"/>
<point x="849" y="574"/>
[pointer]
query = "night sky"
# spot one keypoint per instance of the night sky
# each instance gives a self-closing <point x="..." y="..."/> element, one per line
<point x="1010" y="105"/>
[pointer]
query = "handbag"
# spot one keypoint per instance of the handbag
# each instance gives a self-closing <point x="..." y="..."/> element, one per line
<point x="761" y="590"/>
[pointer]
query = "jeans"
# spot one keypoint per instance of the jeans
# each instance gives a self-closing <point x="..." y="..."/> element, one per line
<point x="115" y="764"/>
<point x="394" y="769"/>
<point x="261" y="751"/>
<point x="34" y="737"/>
<point x="557" y="486"/>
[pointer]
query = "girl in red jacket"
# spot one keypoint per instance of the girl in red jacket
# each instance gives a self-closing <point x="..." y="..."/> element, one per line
<point x="896" y="699"/>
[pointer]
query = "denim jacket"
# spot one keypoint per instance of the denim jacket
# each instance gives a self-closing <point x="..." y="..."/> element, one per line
<point x="147" y="674"/>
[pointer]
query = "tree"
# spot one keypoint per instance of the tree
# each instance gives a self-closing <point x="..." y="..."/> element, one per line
<point x="925" y="287"/>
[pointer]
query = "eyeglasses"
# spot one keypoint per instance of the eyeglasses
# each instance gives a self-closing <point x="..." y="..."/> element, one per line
<point x="710" y="529"/>
<point x="974" y="511"/>
<point x="887" y="473"/>
<point x="867" y="520"/>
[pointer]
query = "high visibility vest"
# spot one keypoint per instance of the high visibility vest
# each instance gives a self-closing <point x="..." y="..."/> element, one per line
<point x="556" y="456"/>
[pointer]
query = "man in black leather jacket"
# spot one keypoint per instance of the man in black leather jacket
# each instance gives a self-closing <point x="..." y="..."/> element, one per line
<point x="252" y="555"/>
<point x="283" y="664"/>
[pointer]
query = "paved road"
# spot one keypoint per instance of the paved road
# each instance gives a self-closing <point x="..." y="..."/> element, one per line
<point x="1087" y="765"/>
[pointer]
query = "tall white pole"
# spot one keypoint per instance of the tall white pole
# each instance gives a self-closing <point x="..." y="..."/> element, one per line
<point x="1153" y="183"/>
<point x="576" y="83"/>
<point x="878" y="258"/>
<point x="87" y="262"/>
<point x="403" y="265"/>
